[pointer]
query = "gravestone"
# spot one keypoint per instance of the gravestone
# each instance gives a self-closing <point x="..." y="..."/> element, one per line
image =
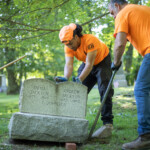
<point x="50" y="112"/>
<point x="3" y="86"/>
<point x="120" y="80"/>
<point x="40" y="96"/>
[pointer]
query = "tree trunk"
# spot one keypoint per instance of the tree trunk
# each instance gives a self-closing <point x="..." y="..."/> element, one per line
<point x="110" y="50"/>
<point x="129" y="55"/>
<point x="128" y="61"/>
<point x="13" y="87"/>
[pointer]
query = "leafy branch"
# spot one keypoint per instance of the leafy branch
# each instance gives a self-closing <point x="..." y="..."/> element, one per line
<point x="94" y="19"/>
<point x="39" y="29"/>
<point x="44" y="8"/>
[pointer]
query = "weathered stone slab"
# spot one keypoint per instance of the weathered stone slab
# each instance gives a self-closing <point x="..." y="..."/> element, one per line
<point x="120" y="83"/>
<point x="48" y="128"/>
<point x="3" y="86"/>
<point x="120" y="80"/>
<point x="41" y="96"/>
<point x="120" y="77"/>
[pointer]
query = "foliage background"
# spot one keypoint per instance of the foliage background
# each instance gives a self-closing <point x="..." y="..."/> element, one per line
<point x="32" y="26"/>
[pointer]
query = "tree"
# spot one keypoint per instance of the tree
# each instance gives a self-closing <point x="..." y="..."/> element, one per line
<point x="8" y="52"/>
<point x="32" y="26"/>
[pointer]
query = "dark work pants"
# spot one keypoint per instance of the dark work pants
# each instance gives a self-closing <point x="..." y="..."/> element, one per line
<point x="101" y="74"/>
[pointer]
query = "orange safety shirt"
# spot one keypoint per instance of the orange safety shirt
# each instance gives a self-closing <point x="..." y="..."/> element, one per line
<point x="135" y="21"/>
<point x="88" y="44"/>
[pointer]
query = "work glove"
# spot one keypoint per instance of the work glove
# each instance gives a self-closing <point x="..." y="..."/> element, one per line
<point x="60" y="79"/>
<point x="76" y="79"/>
<point x="113" y="67"/>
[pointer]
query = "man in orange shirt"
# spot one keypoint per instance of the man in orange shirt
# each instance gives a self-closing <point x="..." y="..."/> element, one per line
<point x="96" y="68"/>
<point x="132" y="22"/>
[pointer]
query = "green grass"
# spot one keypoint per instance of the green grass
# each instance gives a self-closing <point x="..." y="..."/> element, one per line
<point x="124" y="110"/>
<point x="125" y="119"/>
<point x="8" y="105"/>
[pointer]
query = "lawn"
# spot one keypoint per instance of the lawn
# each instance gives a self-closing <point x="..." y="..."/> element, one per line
<point x="124" y="110"/>
<point x="8" y="105"/>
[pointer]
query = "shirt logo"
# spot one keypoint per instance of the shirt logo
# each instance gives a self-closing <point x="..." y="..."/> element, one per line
<point x="90" y="46"/>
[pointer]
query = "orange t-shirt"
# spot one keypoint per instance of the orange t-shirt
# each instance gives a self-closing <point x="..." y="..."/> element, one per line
<point x="135" y="21"/>
<point x="89" y="43"/>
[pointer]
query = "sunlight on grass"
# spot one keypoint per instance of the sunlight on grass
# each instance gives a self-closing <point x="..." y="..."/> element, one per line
<point x="97" y="103"/>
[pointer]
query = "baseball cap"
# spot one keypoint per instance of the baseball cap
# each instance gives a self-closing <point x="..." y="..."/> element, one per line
<point x="66" y="33"/>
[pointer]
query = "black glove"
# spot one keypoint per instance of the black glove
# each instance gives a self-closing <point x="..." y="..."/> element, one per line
<point x="113" y="67"/>
<point x="76" y="79"/>
<point x="60" y="79"/>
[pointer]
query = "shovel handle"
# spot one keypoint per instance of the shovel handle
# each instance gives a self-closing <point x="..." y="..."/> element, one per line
<point x="102" y="104"/>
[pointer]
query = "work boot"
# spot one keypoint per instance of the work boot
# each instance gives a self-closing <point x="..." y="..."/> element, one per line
<point x="141" y="143"/>
<point x="104" y="132"/>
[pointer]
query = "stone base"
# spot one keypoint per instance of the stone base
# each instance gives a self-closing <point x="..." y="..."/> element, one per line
<point x="27" y="126"/>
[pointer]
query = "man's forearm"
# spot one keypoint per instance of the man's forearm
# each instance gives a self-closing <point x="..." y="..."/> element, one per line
<point x="118" y="52"/>
<point x="85" y="72"/>
<point x="119" y="47"/>
<point x="68" y="71"/>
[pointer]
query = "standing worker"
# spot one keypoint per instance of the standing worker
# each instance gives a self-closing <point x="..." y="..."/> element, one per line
<point x="132" y="22"/>
<point x="96" y="68"/>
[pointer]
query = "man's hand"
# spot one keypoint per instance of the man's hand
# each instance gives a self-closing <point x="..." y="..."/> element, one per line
<point x="76" y="79"/>
<point x="60" y="79"/>
<point x="113" y="67"/>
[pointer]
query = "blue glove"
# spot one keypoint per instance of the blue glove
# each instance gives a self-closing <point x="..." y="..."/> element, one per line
<point x="113" y="67"/>
<point x="76" y="79"/>
<point x="60" y="79"/>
